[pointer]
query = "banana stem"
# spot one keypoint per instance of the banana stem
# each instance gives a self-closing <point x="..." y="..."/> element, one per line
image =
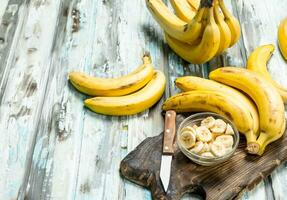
<point x="252" y="145"/>
<point x="206" y="3"/>
<point x="253" y="148"/>
<point x="146" y="58"/>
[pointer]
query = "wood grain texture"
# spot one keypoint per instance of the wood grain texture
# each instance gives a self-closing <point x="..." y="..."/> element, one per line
<point x="22" y="98"/>
<point x="51" y="147"/>
<point x="242" y="172"/>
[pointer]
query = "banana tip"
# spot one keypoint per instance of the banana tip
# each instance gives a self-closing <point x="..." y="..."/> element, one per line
<point x="87" y="102"/>
<point x="72" y="75"/>
<point x="147" y="54"/>
<point x="147" y="58"/>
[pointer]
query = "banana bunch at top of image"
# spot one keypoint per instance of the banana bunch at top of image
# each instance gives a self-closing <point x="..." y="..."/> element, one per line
<point x="200" y="29"/>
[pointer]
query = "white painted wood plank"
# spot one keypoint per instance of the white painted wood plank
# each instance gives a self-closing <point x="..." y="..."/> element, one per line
<point x="23" y="96"/>
<point x="3" y="6"/>
<point x="77" y="153"/>
<point x="60" y="128"/>
<point x="11" y="25"/>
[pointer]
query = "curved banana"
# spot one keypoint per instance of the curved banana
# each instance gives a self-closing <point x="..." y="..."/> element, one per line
<point x="225" y="33"/>
<point x="257" y="62"/>
<point x="213" y="101"/>
<point x="133" y="103"/>
<point x="282" y="37"/>
<point x="267" y="99"/>
<point x="183" y="10"/>
<point x="132" y="82"/>
<point x="205" y="50"/>
<point x="194" y="4"/>
<point x="232" y="23"/>
<point x="191" y="83"/>
<point x="177" y="28"/>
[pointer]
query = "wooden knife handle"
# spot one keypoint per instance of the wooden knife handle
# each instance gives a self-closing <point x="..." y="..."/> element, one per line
<point x="169" y="132"/>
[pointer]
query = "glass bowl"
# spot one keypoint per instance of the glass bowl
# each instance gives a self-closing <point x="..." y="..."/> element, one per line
<point x="195" y="120"/>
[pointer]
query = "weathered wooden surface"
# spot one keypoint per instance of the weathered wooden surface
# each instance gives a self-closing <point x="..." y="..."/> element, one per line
<point x="53" y="148"/>
<point x="225" y="181"/>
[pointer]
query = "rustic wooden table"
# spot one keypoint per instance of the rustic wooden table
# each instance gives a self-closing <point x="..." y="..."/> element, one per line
<point x="53" y="148"/>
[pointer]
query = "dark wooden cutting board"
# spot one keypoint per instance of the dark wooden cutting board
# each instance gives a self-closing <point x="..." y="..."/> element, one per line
<point x="226" y="181"/>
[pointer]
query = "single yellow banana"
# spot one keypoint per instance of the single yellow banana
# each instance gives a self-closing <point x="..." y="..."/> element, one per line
<point x="130" y="83"/>
<point x="282" y="37"/>
<point x="205" y="50"/>
<point x="257" y="62"/>
<point x="133" y="103"/>
<point x="177" y="28"/>
<point x="194" y="4"/>
<point x="183" y="10"/>
<point x="265" y="96"/>
<point x="232" y="23"/>
<point x="225" y="33"/>
<point x="214" y="101"/>
<point x="191" y="83"/>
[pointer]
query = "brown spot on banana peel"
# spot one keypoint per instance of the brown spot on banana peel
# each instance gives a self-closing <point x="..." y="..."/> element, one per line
<point x="185" y="27"/>
<point x="226" y="70"/>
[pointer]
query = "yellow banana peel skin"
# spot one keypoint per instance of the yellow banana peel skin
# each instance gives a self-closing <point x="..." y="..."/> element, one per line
<point x="194" y="4"/>
<point x="95" y="86"/>
<point x="257" y="62"/>
<point x="183" y="10"/>
<point x="225" y="33"/>
<point x="269" y="103"/>
<point x="133" y="103"/>
<point x="282" y="37"/>
<point x="232" y="23"/>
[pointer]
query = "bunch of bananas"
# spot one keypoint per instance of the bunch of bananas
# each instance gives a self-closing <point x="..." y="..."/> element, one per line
<point x="127" y="95"/>
<point x="262" y="122"/>
<point x="199" y="31"/>
<point x="282" y="37"/>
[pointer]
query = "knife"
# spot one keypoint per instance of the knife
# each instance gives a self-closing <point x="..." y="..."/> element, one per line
<point x="168" y="148"/>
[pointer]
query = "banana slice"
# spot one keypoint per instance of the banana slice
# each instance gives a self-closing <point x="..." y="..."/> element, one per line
<point x="226" y="140"/>
<point x="229" y="130"/>
<point x="188" y="128"/>
<point x="197" y="148"/>
<point x="219" y="127"/>
<point x="207" y="155"/>
<point x="208" y="122"/>
<point x="203" y="134"/>
<point x="206" y="147"/>
<point x="218" y="149"/>
<point x="195" y="126"/>
<point x="187" y="139"/>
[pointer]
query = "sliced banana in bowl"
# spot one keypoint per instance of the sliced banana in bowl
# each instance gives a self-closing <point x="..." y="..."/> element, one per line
<point x="188" y="139"/>
<point x="207" y="138"/>
<point x="203" y="134"/>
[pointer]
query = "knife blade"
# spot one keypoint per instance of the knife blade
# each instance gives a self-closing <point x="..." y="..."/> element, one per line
<point x="168" y="148"/>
